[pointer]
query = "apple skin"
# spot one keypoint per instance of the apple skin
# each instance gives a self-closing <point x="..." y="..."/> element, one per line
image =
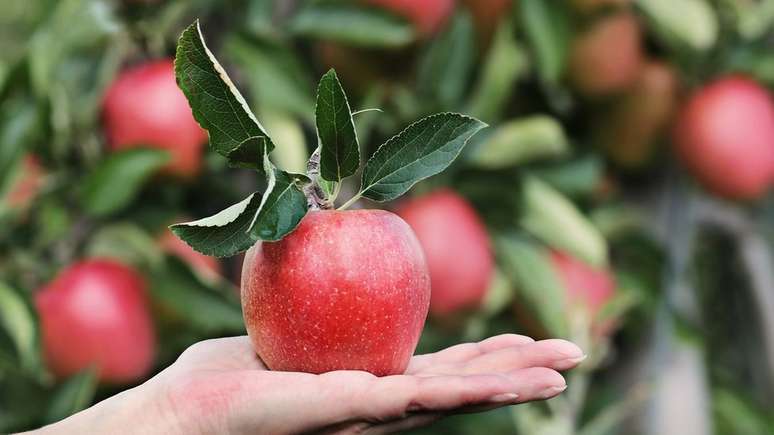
<point x="428" y="16"/>
<point x="457" y="248"/>
<point x="346" y="290"/>
<point x="205" y="265"/>
<point x="95" y="313"/>
<point x="144" y="107"/>
<point x="27" y="183"/>
<point x="628" y="131"/>
<point x="487" y="15"/>
<point x="606" y="58"/>
<point x="725" y="137"/>
<point x="589" y="6"/>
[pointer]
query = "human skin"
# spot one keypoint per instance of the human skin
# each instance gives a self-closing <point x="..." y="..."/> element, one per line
<point x="221" y="386"/>
<point x="349" y="287"/>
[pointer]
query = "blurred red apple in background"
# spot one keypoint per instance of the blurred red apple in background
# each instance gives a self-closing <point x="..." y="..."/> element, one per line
<point x="606" y="57"/>
<point x="587" y="6"/>
<point x="725" y="137"/>
<point x="345" y="290"/>
<point x="95" y="314"/>
<point x="208" y="267"/>
<point x="427" y="15"/>
<point x="629" y="129"/>
<point x="28" y="181"/>
<point x="456" y="246"/>
<point x="487" y="14"/>
<point x="144" y="107"/>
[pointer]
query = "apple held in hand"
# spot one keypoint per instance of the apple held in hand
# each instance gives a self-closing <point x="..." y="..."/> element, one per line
<point x="345" y="289"/>
<point x="322" y="289"/>
<point x="456" y="246"/>
<point x="144" y="107"/>
<point x="725" y="136"/>
<point x="95" y="314"/>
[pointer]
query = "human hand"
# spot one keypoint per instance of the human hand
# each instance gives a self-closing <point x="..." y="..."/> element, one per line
<point x="221" y="386"/>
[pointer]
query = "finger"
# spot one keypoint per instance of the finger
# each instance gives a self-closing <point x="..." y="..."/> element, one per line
<point x="554" y="354"/>
<point x="466" y="351"/>
<point x="411" y="422"/>
<point x="536" y="383"/>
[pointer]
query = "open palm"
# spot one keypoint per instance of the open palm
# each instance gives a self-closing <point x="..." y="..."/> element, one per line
<point x="221" y="386"/>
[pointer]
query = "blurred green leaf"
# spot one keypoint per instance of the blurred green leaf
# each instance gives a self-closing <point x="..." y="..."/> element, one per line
<point x="339" y="148"/>
<point x="74" y="395"/>
<point x="18" y="321"/>
<point x="499" y="295"/>
<point x="423" y="149"/>
<point x="286" y="130"/>
<point x="538" y="288"/>
<point x="548" y="28"/>
<point x="115" y="182"/>
<point x="126" y="242"/>
<point x="217" y="104"/>
<point x="352" y="24"/>
<point x="551" y="217"/>
<point x="519" y="141"/>
<point x="574" y="177"/>
<point x="223" y="234"/>
<point x="506" y="61"/>
<point x="690" y="24"/>
<point x="20" y="123"/>
<point x="275" y="75"/>
<point x="283" y="206"/>
<point x="182" y="294"/>
<point x="445" y="67"/>
<point x="735" y="414"/>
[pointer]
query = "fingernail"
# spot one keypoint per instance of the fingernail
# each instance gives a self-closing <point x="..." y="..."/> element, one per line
<point x="577" y="360"/>
<point x="504" y="397"/>
<point x="552" y="391"/>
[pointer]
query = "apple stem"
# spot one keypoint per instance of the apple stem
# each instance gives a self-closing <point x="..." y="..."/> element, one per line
<point x="350" y="202"/>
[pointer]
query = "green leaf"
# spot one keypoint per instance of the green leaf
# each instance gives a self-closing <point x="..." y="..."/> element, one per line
<point x="217" y="104"/>
<point x="72" y="396"/>
<point x="521" y="141"/>
<point x="117" y="180"/>
<point x="276" y="77"/>
<point x="690" y="24"/>
<point x="423" y="149"/>
<point x="576" y="177"/>
<point x="551" y="217"/>
<point x="18" y="321"/>
<point x="183" y="295"/>
<point x="339" y="149"/>
<point x="288" y="131"/>
<point x="547" y="25"/>
<point x="223" y="234"/>
<point x="445" y="68"/>
<point x="126" y="242"/>
<point x="505" y="62"/>
<point x="351" y="24"/>
<point x="283" y="206"/>
<point x="537" y="286"/>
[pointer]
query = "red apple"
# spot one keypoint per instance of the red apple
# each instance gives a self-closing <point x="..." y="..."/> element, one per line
<point x="629" y="129"/>
<point x="345" y="290"/>
<point x="588" y="6"/>
<point x="725" y="137"/>
<point x="95" y="314"/>
<point x="487" y="15"/>
<point x="456" y="246"/>
<point x="428" y="16"/>
<point x="606" y="58"/>
<point x="207" y="266"/>
<point x="27" y="183"/>
<point x="144" y="107"/>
